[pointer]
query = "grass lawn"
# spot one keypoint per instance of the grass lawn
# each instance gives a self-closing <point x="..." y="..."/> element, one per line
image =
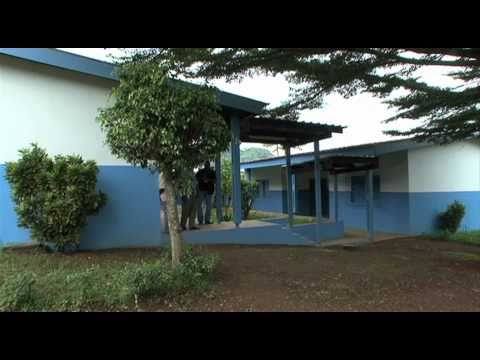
<point x="32" y="280"/>
<point x="466" y="237"/>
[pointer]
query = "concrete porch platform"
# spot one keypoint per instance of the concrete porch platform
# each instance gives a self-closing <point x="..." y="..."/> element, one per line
<point x="230" y="225"/>
<point x="252" y="232"/>
<point x="262" y="232"/>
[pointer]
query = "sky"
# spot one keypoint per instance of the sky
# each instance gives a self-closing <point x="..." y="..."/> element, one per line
<point x="363" y="115"/>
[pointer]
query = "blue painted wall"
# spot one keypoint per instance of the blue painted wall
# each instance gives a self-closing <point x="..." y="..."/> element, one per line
<point x="272" y="201"/>
<point x="391" y="211"/>
<point x="425" y="206"/>
<point x="131" y="217"/>
<point x="405" y="213"/>
<point x="9" y="231"/>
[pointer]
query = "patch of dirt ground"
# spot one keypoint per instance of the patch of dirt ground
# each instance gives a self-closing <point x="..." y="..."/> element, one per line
<point x="395" y="275"/>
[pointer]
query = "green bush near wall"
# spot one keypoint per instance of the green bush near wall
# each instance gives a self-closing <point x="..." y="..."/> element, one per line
<point x="54" y="197"/>
<point x="451" y="219"/>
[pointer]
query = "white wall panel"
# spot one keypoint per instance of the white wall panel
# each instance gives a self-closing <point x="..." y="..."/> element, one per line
<point x="454" y="167"/>
<point x="272" y="174"/>
<point x="52" y="107"/>
<point x="393" y="171"/>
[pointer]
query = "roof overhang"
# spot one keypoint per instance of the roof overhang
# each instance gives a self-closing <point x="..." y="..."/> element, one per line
<point x="341" y="164"/>
<point x="105" y="70"/>
<point x="291" y="133"/>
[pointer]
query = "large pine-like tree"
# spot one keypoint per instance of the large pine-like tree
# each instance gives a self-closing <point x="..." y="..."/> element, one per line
<point x="444" y="114"/>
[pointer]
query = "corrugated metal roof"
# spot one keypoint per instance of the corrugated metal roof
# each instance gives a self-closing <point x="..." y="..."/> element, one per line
<point x="276" y="131"/>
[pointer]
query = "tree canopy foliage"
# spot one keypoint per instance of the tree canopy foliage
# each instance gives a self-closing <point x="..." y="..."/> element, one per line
<point x="446" y="113"/>
<point x="165" y="126"/>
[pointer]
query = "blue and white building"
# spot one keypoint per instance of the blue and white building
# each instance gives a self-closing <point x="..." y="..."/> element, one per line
<point x="52" y="98"/>
<point x="412" y="183"/>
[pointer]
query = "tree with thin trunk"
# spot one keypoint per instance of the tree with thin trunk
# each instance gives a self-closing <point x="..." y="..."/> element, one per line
<point x="165" y="125"/>
<point x="446" y="113"/>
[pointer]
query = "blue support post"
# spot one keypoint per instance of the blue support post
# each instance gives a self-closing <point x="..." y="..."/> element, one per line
<point x="335" y="194"/>
<point x="249" y="174"/>
<point x="289" y="187"/>
<point x="294" y="193"/>
<point x="318" y="187"/>
<point x="218" y="188"/>
<point x="370" y="226"/>
<point x="236" y="184"/>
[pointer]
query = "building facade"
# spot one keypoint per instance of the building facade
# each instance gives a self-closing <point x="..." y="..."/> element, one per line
<point x="413" y="183"/>
<point x="51" y="98"/>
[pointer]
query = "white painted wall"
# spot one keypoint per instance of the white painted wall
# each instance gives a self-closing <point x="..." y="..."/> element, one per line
<point x="454" y="167"/>
<point x="52" y="107"/>
<point x="393" y="171"/>
<point x="272" y="174"/>
<point x="344" y="183"/>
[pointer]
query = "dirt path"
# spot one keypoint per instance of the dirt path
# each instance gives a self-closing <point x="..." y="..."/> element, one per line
<point x="396" y="275"/>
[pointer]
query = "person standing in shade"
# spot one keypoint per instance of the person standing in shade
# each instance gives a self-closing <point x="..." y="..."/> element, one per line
<point x="206" y="186"/>
<point x="189" y="202"/>
<point x="163" y="205"/>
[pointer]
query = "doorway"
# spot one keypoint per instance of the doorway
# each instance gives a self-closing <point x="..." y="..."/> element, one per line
<point x="325" y="198"/>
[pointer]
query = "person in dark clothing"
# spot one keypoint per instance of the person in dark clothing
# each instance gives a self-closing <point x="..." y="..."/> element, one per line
<point x="189" y="202"/>
<point x="206" y="186"/>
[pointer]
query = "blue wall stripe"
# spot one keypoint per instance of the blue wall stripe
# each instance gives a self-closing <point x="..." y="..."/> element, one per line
<point x="406" y="213"/>
<point x="425" y="207"/>
<point x="131" y="217"/>
<point x="9" y="231"/>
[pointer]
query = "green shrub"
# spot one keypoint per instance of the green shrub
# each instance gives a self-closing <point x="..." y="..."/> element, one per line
<point x="81" y="289"/>
<point x="54" y="197"/>
<point x="140" y="281"/>
<point x="112" y="286"/>
<point x="250" y="191"/>
<point x="144" y="280"/>
<point x="17" y="292"/>
<point x="451" y="219"/>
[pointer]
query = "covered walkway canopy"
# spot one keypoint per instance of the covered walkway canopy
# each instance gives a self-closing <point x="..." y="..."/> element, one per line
<point x="341" y="164"/>
<point x="258" y="129"/>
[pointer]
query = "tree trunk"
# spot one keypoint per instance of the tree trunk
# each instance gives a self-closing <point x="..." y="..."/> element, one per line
<point x="172" y="214"/>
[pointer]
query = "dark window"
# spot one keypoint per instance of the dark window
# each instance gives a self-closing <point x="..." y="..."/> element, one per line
<point x="359" y="188"/>
<point x="263" y="188"/>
